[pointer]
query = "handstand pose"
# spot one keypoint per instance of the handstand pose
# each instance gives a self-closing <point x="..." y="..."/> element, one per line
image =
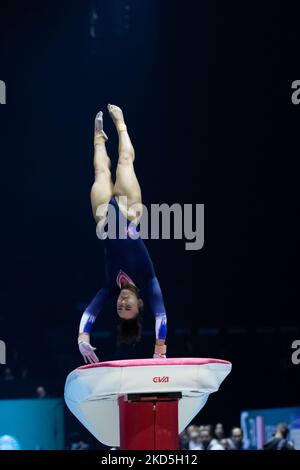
<point x="129" y="269"/>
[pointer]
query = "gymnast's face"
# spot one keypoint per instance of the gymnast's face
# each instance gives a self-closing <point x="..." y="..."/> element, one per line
<point x="128" y="304"/>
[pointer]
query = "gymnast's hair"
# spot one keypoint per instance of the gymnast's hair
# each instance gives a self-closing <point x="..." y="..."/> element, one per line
<point x="130" y="331"/>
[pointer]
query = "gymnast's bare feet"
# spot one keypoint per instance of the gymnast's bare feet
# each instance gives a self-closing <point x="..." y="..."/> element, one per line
<point x="117" y="116"/>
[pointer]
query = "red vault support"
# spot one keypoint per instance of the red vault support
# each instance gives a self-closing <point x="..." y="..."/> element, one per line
<point x="148" y="422"/>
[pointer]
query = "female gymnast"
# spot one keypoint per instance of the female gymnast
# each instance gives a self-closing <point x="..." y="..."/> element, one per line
<point x="129" y="270"/>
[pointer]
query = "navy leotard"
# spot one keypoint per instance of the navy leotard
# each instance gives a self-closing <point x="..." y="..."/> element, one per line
<point x="127" y="260"/>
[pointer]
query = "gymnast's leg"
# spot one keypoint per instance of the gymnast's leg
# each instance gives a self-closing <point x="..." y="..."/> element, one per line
<point x="102" y="189"/>
<point x="126" y="181"/>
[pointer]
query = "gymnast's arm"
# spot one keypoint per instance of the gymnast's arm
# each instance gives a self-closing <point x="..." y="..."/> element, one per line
<point x="158" y="308"/>
<point x="87" y="320"/>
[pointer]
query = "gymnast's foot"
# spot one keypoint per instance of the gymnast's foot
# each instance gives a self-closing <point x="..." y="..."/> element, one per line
<point x="117" y="116"/>
<point x="99" y="132"/>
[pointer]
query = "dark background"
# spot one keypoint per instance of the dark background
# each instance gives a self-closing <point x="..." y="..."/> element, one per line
<point x="206" y="92"/>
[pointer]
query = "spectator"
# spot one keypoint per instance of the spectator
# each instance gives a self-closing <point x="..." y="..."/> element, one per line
<point x="77" y="443"/>
<point x="225" y="443"/>
<point x="184" y="440"/>
<point x="207" y="442"/>
<point x="8" y="375"/>
<point x="219" y="432"/>
<point x="280" y="441"/>
<point x="194" y="442"/>
<point x="41" y="392"/>
<point x="190" y="428"/>
<point x="208" y="427"/>
<point x="236" y="439"/>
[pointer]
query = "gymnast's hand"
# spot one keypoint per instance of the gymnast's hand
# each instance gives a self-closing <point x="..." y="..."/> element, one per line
<point x="86" y="349"/>
<point x="160" y="351"/>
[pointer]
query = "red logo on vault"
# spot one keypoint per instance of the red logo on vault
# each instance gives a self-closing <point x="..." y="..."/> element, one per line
<point x="158" y="380"/>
